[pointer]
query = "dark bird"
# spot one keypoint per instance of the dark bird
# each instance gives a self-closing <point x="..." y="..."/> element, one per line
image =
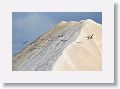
<point x="25" y="42"/>
<point x="61" y="35"/>
<point x="89" y="37"/>
<point x="78" y="42"/>
<point x="41" y="46"/>
<point x="31" y="43"/>
<point x="64" y="40"/>
<point x="57" y="43"/>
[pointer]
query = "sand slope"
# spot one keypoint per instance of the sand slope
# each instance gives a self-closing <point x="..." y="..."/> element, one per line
<point x="83" y="54"/>
<point x="64" y="47"/>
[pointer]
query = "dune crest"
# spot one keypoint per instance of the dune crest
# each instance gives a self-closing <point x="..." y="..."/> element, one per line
<point x="83" y="54"/>
<point x="68" y="46"/>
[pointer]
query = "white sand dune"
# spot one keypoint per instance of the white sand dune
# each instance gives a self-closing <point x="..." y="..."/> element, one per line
<point x="68" y="46"/>
<point x="82" y="54"/>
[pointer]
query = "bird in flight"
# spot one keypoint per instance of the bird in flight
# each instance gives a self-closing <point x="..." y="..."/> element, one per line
<point x="25" y="42"/>
<point x="89" y="37"/>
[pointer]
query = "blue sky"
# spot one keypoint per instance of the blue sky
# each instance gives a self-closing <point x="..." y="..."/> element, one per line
<point x="27" y="26"/>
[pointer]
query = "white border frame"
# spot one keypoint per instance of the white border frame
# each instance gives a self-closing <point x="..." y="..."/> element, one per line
<point x="104" y="76"/>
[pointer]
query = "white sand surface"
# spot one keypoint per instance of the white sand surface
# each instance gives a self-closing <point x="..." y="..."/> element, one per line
<point x="83" y="54"/>
<point x="65" y="47"/>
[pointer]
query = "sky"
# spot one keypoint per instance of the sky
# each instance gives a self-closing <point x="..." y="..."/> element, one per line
<point x="27" y="26"/>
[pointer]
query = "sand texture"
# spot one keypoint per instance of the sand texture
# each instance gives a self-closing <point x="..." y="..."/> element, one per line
<point x="68" y="46"/>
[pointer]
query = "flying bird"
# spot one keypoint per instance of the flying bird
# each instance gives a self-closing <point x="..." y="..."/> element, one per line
<point x="25" y="42"/>
<point x="89" y="37"/>
<point x="78" y="42"/>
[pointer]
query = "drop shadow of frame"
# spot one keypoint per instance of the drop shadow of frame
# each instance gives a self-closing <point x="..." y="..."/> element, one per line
<point x="115" y="84"/>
